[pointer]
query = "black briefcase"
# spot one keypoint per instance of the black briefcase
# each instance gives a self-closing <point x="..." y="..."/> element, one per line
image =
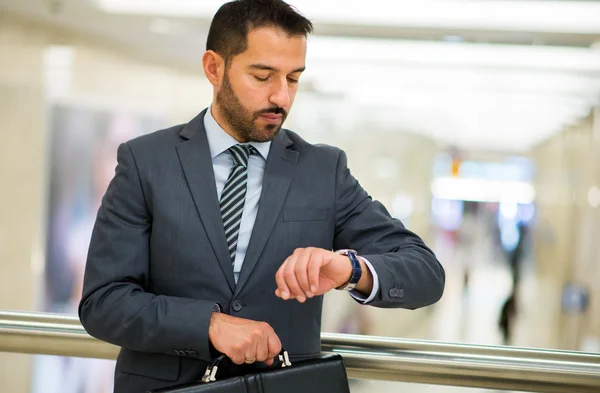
<point x="325" y="373"/>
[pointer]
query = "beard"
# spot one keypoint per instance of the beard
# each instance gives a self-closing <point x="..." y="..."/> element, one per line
<point x="243" y="121"/>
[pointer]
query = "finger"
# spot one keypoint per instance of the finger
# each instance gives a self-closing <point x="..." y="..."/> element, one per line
<point x="250" y="353"/>
<point x="301" y="272"/>
<point x="262" y="347"/>
<point x="282" y="289"/>
<point x="314" y="269"/>
<point x="292" y="282"/>
<point x="274" y="347"/>
<point x="237" y="356"/>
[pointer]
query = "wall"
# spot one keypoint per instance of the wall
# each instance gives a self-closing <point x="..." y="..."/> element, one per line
<point x="22" y="145"/>
<point x="567" y="230"/>
<point x="98" y="75"/>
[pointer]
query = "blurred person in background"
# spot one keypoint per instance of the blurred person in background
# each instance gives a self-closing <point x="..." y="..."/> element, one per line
<point x="216" y="236"/>
<point x="508" y="313"/>
<point x="517" y="255"/>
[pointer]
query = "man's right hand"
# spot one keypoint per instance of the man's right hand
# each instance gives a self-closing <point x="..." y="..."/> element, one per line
<point x="243" y="340"/>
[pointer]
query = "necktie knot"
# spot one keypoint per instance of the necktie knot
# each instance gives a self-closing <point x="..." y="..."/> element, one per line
<point x="241" y="153"/>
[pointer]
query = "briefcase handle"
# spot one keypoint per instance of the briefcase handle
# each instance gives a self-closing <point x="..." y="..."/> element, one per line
<point x="211" y="369"/>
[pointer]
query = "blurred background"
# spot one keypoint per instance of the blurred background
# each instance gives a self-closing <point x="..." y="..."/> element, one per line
<point x="477" y="123"/>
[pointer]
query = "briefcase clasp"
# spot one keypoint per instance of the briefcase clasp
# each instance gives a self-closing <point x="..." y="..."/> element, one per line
<point x="210" y="375"/>
<point x="284" y="358"/>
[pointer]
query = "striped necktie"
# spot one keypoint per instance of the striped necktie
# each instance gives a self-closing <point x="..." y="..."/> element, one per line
<point x="234" y="196"/>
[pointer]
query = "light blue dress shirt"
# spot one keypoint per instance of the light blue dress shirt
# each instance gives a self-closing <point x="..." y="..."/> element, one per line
<point x="219" y="142"/>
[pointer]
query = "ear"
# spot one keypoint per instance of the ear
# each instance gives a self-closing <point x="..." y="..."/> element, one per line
<point x="214" y="67"/>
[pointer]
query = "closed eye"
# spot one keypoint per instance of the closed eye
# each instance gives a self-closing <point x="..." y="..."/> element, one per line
<point x="260" y="79"/>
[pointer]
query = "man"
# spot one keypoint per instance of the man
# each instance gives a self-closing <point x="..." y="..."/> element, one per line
<point x="216" y="236"/>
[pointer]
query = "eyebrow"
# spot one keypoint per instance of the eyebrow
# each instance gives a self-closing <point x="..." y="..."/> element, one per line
<point x="269" y="68"/>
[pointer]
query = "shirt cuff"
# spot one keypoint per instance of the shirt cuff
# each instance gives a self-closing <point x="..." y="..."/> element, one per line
<point x="360" y="296"/>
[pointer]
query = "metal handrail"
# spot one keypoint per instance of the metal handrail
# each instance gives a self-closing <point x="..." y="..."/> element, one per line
<point x="369" y="357"/>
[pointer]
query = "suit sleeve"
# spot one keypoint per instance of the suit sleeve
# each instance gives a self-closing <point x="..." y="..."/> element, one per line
<point x="409" y="273"/>
<point x="116" y="306"/>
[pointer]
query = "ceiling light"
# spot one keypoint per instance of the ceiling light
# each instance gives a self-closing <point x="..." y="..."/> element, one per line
<point x="482" y="190"/>
<point x="532" y="16"/>
<point x="402" y="207"/>
<point x="182" y="8"/>
<point x="358" y="51"/>
<point x="594" y="197"/>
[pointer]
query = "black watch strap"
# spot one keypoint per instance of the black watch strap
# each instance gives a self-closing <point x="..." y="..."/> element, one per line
<point x="356" y="270"/>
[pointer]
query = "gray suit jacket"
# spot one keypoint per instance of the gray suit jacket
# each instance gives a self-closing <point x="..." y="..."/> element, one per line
<point x="158" y="259"/>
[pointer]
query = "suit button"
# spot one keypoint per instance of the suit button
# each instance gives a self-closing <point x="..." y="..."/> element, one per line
<point x="237" y="305"/>
<point x="193" y="353"/>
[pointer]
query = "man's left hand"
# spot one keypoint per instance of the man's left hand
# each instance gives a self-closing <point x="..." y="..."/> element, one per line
<point x="310" y="272"/>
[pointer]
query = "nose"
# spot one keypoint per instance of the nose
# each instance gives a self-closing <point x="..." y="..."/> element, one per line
<point x="280" y="94"/>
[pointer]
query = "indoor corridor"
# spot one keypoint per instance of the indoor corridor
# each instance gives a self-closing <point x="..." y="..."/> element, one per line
<point x="469" y="311"/>
<point x="476" y="124"/>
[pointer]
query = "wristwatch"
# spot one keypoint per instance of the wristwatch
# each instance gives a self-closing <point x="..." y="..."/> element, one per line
<point x="356" y="270"/>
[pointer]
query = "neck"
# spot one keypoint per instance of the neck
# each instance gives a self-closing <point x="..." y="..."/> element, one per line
<point x="216" y="113"/>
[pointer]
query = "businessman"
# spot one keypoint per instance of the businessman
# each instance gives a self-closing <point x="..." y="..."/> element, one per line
<point x="221" y="235"/>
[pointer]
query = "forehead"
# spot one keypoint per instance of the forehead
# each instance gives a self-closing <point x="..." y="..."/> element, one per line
<point x="275" y="48"/>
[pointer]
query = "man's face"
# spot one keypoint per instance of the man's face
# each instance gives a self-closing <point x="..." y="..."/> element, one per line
<point x="259" y="85"/>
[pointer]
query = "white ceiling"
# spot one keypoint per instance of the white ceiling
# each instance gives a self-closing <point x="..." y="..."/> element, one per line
<point x="492" y="75"/>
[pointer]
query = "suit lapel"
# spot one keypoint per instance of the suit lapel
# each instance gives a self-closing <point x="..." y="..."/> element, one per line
<point x="279" y="171"/>
<point x="196" y="162"/>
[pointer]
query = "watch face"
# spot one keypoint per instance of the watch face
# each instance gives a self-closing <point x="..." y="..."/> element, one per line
<point x="345" y="251"/>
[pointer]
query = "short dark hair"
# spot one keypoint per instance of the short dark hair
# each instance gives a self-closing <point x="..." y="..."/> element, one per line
<point x="228" y="34"/>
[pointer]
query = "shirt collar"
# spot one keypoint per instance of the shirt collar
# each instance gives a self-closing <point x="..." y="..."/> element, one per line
<point x="219" y="140"/>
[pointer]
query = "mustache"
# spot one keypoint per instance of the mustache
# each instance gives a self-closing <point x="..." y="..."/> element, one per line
<point x="275" y="110"/>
